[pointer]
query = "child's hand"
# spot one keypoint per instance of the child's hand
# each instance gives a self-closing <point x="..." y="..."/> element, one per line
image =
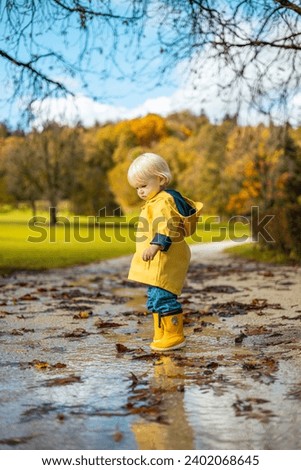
<point x="151" y="252"/>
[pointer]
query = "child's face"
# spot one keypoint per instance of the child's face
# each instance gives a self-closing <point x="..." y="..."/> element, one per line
<point x="149" y="188"/>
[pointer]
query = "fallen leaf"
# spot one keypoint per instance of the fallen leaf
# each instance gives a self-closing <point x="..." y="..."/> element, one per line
<point x="223" y="289"/>
<point x="83" y="314"/>
<point x="257" y="330"/>
<point x="15" y="441"/>
<point x="40" y="364"/>
<point x="77" y="333"/>
<point x="118" y="436"/>
<point x="247" y="408"/>
<point x="239" y="339"/>
<point x="212" y="365"/>
<point x="17" y="332"/>
<point x="59" y="365"/>
<point x="267" y="274"/>
<point x="45" y="365"/>
<point x="295" y="394"/>
<point x="121" y="348"/>
<point x="5" y="312"/>
<point x="63" y="381"/>
<point x="106" y="324"/>
<point x="28" y="297"/>
<point x="134" y="379"/>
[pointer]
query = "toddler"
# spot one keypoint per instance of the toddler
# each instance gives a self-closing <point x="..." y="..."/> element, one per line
<point x="162" y="256"/>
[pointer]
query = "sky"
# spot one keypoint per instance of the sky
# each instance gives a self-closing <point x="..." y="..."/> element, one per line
<point x="121" y="97"/>
<point x="127" y="100"/>
<point x="182" y="93"/>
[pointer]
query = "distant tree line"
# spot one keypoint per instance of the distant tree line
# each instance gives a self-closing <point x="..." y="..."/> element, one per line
<point x="227" y="166"/>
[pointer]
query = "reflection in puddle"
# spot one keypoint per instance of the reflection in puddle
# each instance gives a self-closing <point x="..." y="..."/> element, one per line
<point x="169" y="429"/>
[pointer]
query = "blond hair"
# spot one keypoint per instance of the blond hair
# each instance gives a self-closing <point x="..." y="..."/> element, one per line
<point x="146" y="166"/>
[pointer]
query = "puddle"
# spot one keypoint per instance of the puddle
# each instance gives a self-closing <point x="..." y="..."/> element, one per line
<point x="77" y="372"/>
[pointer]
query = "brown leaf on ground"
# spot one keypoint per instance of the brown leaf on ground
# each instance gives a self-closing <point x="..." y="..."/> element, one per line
<point x="15" y="441"/>
<point x="264" y="366"/>
<point x="248" y="408"/>
<point x="239" y="339"/>
<point x="257" y="330"/>
<point x="83" y="314"/>
<point x="118" y="436"/>
<point x="220" y="289"/>
<point x="28" y="297"/>
<point x="5" y="312"/>
<point x="295" y="393"/>
<point x="58" y="365"/>
<point x="106" y="324"/>
<point x="134" y="378"/>
<point x="145" y="357"/>
<point x="229" y="309"/>
<point x="63" y="381"/>
<point x="70" y="294"/>
<point x="263" y="303"/>
<point x="267" y="274"/>
<point x="77" y="333"/>
<point x="21" y="331"/>
<point x="45" y="365"/>
<point x="285" y="317"/>
<point x="39" y="364"/>
<point x="122" y="349"/>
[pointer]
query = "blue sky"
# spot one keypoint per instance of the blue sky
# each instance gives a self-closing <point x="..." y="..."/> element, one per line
<point x="129" y="89"/>
<point x="124" y="84"/>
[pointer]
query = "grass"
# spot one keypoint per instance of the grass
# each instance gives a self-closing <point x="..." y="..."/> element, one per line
<point x="74" y="241"/>
<point x="256" y="252"/>
<point x="44" y="248"/>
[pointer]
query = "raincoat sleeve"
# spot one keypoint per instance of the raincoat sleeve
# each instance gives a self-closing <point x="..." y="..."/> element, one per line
<point x="166" y="224"/>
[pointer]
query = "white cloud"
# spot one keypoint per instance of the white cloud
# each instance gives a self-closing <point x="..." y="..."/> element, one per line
<point x="202" y="92"/>
<point x="81" y="108"/>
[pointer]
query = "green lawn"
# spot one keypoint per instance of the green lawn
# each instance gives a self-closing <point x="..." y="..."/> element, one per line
<point x="257" y="252"/>
<point x="23" y="247"/>
<point x="74" y="241"/>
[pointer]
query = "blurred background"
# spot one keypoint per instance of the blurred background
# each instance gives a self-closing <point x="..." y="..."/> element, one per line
<point x="86" y="86"/>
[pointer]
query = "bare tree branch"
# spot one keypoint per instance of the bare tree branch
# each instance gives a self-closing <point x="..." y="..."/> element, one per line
<point x="290" y="5"/>
<point x="34" y="71"/>
<point x="47" y="43"/>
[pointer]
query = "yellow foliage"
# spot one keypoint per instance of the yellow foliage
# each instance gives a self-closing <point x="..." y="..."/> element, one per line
<point x="148" y="129"/>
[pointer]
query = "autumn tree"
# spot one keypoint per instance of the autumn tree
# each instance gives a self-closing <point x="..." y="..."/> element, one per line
<point x="5" y="196"/>
<point x="254" y="168"/>
<point x="135" y="136"/>
<point x="286" y="225"/>
<point x="58" y="152"/>
<point x="43" y="165"/>
<point x="92" y="189"/>
<point x="21" y="172"/>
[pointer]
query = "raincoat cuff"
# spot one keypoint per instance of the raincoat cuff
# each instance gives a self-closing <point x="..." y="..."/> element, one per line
<point x="163" y="240"/>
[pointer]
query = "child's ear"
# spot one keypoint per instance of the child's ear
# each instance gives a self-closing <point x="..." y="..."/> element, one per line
<point x="163" y="180"/>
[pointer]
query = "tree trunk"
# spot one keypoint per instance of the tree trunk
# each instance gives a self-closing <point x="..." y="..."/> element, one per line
<point x="53" y="215"/>
<point x="33" y="208"/>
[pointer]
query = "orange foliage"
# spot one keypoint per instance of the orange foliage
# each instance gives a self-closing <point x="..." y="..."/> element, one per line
<point x="148" y="129"/>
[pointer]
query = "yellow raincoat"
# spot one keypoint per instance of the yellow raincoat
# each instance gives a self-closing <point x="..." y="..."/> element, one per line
<point x="168" y="269"/>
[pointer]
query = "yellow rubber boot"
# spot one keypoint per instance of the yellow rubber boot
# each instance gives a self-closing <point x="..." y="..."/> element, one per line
<point x="173" y="337"/>
<point x="158" y="328"/>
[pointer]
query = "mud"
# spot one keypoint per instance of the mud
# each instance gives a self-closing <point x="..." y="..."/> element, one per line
<point x="77" y="372"/>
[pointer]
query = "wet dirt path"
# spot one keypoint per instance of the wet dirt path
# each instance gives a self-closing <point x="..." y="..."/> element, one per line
<point x="77" y="372"/>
